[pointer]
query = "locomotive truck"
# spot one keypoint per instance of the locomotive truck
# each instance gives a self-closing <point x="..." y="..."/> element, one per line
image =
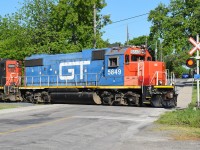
<point x="109" y="76"/>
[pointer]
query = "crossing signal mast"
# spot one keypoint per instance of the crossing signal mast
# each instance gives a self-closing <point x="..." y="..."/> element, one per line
<point x="191" y="62"/>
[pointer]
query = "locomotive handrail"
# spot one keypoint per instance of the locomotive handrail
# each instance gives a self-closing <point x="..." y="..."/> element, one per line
<point x="8" y="80"/>
<point x="142" y="72"/>
<point x="50" y="79"/>
<point x="172" y="79"/>
<point x="156" y="75"/>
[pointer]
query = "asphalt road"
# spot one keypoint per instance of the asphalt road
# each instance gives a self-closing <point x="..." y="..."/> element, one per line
<point x="75" y="127"/>
<point x="86" y="127"/>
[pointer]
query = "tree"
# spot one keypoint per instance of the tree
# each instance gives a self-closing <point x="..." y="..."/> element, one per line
<point x="35" y="16"/>
<point x="75" y="20"/>
<point x="51" y="26"/>
<point x="138" y="41"/>
<point x="13" y="38"/>
<point x="174" y="24"/>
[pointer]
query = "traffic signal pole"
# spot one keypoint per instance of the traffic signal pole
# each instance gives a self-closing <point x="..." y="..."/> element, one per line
<point x="197" y="58"/>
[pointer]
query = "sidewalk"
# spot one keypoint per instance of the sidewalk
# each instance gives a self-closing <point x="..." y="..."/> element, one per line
<point x="185" y="95"/>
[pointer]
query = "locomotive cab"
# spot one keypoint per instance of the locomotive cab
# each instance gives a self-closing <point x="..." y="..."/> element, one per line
<point x="141" y="70"/>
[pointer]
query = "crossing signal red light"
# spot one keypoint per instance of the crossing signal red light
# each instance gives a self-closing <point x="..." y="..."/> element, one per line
<point x="190" y="62"/>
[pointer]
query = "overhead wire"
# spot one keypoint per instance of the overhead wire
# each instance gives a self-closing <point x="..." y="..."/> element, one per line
<point x="133" y="17"/>
<point x="129" y="18"/>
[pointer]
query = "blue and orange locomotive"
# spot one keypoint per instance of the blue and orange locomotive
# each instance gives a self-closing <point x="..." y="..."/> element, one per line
<point x="110" y="76"/>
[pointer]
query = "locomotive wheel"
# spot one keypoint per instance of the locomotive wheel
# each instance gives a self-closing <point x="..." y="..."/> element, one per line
<point x="28" y="97"/>
<point x="170" y="103"/>
<point x="156" y="101"/>
<point x="107" y="101"/>
<point x="107" y="98"/>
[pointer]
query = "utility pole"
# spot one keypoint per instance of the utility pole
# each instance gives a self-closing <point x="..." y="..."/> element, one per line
<point x="127" y="36"/>
<point x="146" y="42"/>
<point x="95" y="25"/>
<point x="156" y="51"/>
<point x="161" y="49"/>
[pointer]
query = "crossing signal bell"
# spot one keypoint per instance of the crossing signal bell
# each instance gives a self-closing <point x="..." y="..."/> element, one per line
<point x="190" y="62"/>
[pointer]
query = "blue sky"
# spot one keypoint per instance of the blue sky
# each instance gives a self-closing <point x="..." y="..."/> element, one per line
<point x="118" y="10"/>
<point x="122" y="9"/>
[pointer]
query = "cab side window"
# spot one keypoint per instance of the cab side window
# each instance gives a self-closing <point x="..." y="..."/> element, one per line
<point x="11" y="67"/>
<point x="136" y="58"/>
<point x="113" y="62"/>
<point x="133" y="58"/>
<point x="127" y="59"/>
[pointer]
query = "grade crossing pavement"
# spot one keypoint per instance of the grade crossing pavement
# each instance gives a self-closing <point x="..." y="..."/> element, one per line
<point x="185" y="94"/>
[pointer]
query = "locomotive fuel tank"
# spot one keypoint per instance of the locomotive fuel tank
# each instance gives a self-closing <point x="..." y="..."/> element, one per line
<point x="73" y="96"/>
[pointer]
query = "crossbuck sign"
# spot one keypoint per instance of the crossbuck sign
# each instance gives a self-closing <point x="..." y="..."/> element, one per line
<point x="196" y="46"/>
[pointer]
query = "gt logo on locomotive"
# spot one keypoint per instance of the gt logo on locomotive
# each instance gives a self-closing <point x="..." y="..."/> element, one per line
<point x="71" y="71"/>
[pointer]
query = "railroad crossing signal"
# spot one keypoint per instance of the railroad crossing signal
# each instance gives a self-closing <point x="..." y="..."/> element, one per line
<point x="196" y="46"/>
<point x="194" y="49"/>
<point x="190" y="62"/>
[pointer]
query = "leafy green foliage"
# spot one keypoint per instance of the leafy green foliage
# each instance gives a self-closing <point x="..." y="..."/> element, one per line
<point x="51" y="26"/>
<point x="174" y="24"/>
<point x="141" y="40"/>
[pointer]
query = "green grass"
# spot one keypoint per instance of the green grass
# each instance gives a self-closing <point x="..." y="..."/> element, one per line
<point x="189" y="117"/>
<point x="7" y="105"/>
<point x="187" y="121"/>
<point x="186" y="118"/>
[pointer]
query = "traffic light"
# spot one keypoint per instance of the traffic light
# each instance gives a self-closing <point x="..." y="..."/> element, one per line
<point x="190" y="62"/>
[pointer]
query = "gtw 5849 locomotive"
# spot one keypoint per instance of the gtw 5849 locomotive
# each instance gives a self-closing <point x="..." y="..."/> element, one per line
<point x="110" y="76"/>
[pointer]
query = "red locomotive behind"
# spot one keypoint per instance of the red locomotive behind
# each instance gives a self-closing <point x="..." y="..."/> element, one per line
<point x="10" y="80"/>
